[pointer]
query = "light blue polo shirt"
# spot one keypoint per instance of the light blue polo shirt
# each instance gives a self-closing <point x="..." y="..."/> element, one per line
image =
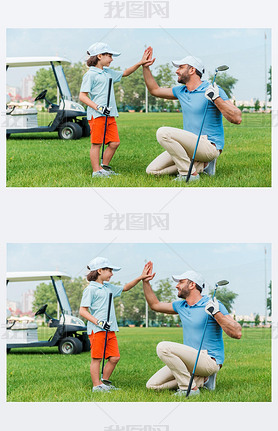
<point x="95" y="83"/>
<point x="95" y="296"/>
<point x="193" y="104"/>
<point x="193" y="320"/>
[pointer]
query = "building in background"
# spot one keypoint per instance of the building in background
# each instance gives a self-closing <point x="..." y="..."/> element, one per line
<point x="27" y="86"/>
<point x="27" y="301"/>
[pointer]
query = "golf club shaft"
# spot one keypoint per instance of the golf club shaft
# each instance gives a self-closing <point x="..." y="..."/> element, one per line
<point x="106" y="117"/>
<point x="108" y="316"/>
<point x="199" y="351"/>
<point x="198" y="139"/>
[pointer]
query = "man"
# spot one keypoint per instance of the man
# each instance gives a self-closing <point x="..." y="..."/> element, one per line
<point x="180" y="144"/>
<point x="179" y="358"/>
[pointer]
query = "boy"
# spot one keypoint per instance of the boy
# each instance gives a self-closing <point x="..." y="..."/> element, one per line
<point x="93" y="307"/>
<point x="93" y="93"/>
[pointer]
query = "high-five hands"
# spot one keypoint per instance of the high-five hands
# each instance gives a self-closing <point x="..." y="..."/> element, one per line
<point x="147" y="59"/>
<point x="147" y="274"/>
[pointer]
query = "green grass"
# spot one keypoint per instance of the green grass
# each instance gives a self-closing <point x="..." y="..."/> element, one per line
<point x="44" y="375"/>
<point x="42" y="160"/>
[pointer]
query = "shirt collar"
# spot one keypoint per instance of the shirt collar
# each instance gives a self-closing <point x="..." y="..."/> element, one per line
<point x="202" y="86"/>
<point x="96" y="69"/>
<point x="200" y="303"/>
<point x="99" y="285"/>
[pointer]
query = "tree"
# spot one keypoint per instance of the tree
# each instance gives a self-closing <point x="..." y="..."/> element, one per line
<point x="74" y="74"/>
<point x="44" y="294"/>
<point x="45" y="80"/>
<point x="226" y="296"/>
<point x="74" y="289"/>
<point x="269" y="299"/>
<point x="257" y="105"/>
<point x="269" y="84"/>
<point x="257" y="319"/>
<point x="226" y="82"/>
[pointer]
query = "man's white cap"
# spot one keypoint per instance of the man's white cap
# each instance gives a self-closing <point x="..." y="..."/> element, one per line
<point x="101" y="48"/>
<point x="191" y="275"/>
<point x="192" y="61"/>
<point x="101" y="262"/>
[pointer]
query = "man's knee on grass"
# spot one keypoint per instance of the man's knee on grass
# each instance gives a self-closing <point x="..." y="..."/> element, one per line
<point x="162" y="134"/>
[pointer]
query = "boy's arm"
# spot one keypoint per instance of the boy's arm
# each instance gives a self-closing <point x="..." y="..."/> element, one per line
<point x="104" y="110"/>
<point x="83" y="311"/>
<point x="144" y="60"/>
<point x="146" y="274"/>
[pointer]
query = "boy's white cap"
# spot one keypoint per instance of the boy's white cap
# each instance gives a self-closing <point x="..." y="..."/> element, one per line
<point x="101" y="262"/>
<point x="191" y="275"/>
<point x="192" y="61"/>
<point x="101" y="48"/>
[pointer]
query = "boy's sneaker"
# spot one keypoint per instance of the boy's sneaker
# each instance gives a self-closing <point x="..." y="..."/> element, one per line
<point x="181" y="393"/>
<point x="101" y="173"/>
<point x="210" y="168"/>
<point x="210" y="384"/>
<point x="183" y="178"/>
<point x="113" y="388"/>
<point x="101" y="388"/>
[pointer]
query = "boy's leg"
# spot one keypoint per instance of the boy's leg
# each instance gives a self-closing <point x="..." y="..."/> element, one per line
<point x="109" y="152"/>
<point x="94" y="156"/>
<point x="109" y="366"/>
<point x="94" y="369"/>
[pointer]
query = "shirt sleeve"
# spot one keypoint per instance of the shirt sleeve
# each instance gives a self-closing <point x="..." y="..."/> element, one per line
<point x="87" y="298"/>
<point x="223" y="309"/>
<point x="116" y="75"/>
<point x="176" y="91"/>
<point x="116" y="290"/>
<point x="86" y="85"/>
<point x="176" y="306"/>
<point x="222" y="94"/>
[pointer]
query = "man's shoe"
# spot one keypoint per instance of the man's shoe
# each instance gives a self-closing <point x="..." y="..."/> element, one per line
<point x="210" y="168"/>
<point x="192" y="393"/>
<point x="210" y="384"/>
<point x="101" y="388"/>
<point x="180" y="178"/>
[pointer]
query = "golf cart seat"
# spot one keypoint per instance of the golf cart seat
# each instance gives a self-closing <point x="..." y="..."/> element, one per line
<point x="53" y="323"/>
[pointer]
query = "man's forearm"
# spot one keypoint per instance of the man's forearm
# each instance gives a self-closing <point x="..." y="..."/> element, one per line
<point x="149" y="80"/>
<point x="229" y="326"/>
<point x="230" y="112"/>
<point x="149" y="294"/>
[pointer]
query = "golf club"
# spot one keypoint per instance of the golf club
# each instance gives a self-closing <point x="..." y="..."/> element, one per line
<point x="219" y="69"/>
<point x="219" y="283"/>
<point x="103" y="359"/>
<point x="106" y="167"/>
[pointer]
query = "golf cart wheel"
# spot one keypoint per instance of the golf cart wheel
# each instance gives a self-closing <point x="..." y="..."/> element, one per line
<point x="8" y="135"/>
<point x="70" y="131"/>
<point x="70" y="346"/>
<point x="8" y="349"/>
<point x="86" y="345"/>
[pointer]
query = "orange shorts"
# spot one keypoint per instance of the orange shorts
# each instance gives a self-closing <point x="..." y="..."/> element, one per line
<point x="97" y="130"/>
<point x="97" y="341"/>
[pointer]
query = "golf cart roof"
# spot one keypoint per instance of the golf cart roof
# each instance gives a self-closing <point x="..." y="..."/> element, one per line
<point x="34" y="61"/>
<point x="35" y="275"/>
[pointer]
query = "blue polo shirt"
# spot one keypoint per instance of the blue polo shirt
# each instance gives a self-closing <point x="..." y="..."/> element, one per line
<point x="95" y="83"/>
<point x="193" y="104"/>
<point x="193" y="320"/>
<point x="95" y="297"/>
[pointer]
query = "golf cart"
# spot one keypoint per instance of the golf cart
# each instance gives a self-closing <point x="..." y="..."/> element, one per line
<point x="70" y="121"/>
<point x="71" y="334"/>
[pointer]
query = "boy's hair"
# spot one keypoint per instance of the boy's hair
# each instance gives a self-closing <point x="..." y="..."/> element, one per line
<point x="93" y="275"/>
<point x="93" y="60"/>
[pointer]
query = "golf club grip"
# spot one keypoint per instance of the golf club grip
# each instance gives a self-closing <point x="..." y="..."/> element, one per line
<point x="109" y="306"/>
<point x="109" y="91"/>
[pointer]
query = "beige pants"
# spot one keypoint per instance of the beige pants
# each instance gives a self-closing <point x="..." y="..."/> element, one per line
<point x="180" y="361"/>
<point x="180" y="145"/>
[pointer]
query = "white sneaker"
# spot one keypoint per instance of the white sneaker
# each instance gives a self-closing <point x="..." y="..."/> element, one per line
<point x="101" y="173"/>
<point x="191" y="178"/>
<point x="181" y="393"/>
<point x="210" y="384"/>
<point x="101" y="388"/>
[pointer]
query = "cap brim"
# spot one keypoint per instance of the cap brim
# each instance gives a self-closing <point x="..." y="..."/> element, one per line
<point x="177" y="277"/>
<point x="116" y="268"/>
<point x="176" y="63"/>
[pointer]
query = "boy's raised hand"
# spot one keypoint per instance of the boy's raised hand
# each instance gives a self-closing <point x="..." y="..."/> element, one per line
<point x="147" y="59"/>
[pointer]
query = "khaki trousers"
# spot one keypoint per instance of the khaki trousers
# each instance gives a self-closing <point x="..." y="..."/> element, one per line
<point x="180" y="361"/>
<point x="180" y="145"/>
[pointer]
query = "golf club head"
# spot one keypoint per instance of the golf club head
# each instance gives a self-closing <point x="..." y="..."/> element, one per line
<point x="222" y="68"/>
<point x="106" y="167"/>
<point x="106" y="382"/>
<point x="221" y="283"/>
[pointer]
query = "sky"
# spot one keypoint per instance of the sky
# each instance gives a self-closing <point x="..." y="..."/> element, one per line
<point x="243" y="50"/>
<point x="246" y="266"/>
